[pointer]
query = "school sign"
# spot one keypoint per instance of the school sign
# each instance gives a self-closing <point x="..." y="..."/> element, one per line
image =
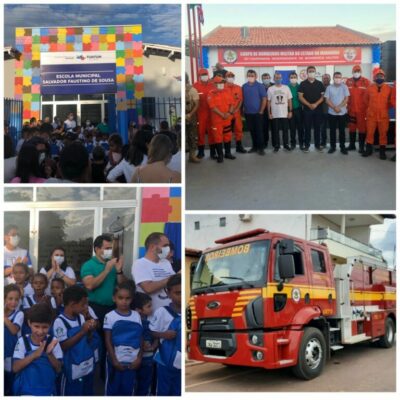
<point x="86" y="59"/>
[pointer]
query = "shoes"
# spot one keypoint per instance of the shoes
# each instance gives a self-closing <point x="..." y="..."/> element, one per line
<point x="382" y="153"/>
<point x="368" y="150"/>
<point x="305" y="149"/>
<point x="200" y="153"/>
<point x="261" y="152"/>
<point x="319" y="148"/>
<point x="331" y="150"/>
<point x="344" y="151"/>
<point x="193" y="158"/>
<point x="240" y="148"/>
<point x="252" y="150"/>
<point x="276" y="149"/>
<point x="287" y="148"/>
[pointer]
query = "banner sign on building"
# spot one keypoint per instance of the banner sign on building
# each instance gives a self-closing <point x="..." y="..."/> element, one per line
<point x="83" y="72"/>
<point x="270" y="56"/>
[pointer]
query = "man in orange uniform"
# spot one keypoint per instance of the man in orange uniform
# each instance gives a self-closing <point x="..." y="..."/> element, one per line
<point x="221" y="104"/>
<point x="377" y="101"/>
<point x="203" y="87"/>
<point x="237" y="124"/>
<point x="357" y="87"/>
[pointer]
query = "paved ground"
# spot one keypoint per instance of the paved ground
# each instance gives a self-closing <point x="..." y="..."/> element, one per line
<point x="292" y="181"/>
<point x="356" y="368"/>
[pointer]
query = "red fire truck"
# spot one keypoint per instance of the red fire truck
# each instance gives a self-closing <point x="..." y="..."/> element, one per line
<point x="270" y="300"/>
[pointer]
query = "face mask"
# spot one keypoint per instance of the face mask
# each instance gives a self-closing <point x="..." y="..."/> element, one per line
<point x="164" y="253"/>
<point x="379" y="81"/>
<point x="220" y="86"/>
<point x="311" y="75"/>
<point x="278" y="81"/>
<point x="87" y="123"/>
<point x="204" y="78"/>
<point x="231" y="80"/>
<point x="337" y="81"/>
<point x="357" y="75"/>
<point x="266" y="81"/>
<point x="42" y="156"/>
<point x="59" y="259"/>
<point x="71" y="118"/>
<point x="107" y="254"/>
<point x="251" y="79"/>
<point x="14" y="240"/>
<point x="293" y="80"/>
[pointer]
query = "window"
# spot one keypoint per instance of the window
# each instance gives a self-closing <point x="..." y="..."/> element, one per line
<point x="318" y="261"/>
<point x="222" y="221"/>
<point x="149" y="107"/>
<point x="18" y="194"/>
<point x="68" y="194"/>
<point x="197" y="225"/>
<point x="298" y="261"/>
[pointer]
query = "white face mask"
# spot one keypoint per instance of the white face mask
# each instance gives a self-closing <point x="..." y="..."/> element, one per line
<point x="164" y="253"/>
<point x="42" y="156"/>
<point x="14" y="240"/>
<point x="59" y="259"/>
<point x="220" y="86"/>
<point x="107" y="254"/>
<point x="293" y="80"/>
<point x="266" y="81"/>
<point x="230" y="80"/>
<point x="204" y="78"/>
<point x="251" y="79"/>
<point x="337" y="81"/>
<point x="356" y="75"/>
<point x="311" y="75"/>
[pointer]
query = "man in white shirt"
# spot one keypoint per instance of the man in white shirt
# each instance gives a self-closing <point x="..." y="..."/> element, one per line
<point x="151" y="272"/>
<point x="280" y="111"/>
<point x="13" y="254"/>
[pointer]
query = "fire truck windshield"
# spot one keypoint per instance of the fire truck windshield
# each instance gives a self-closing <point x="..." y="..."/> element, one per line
<point x="230" y="267"/>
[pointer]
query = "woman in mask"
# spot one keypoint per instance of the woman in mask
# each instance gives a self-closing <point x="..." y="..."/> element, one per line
<point x="28" y="166"/>
<point x="57" y="267"/>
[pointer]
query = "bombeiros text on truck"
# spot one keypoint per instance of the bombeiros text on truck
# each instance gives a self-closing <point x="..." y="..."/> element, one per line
<point x="270" y="300"/>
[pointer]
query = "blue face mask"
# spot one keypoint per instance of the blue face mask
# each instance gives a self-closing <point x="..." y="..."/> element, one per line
<point x="278" y="81"/>
<point x="379" y="81"/>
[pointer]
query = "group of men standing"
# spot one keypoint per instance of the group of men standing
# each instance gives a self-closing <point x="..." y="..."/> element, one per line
<point x="214" y="108"/>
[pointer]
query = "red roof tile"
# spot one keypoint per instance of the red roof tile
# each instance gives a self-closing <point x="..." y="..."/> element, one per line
<point x="288" y="36"/>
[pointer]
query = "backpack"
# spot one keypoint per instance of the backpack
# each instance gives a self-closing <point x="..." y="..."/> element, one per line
<point x="169" y="352"/>
<point x="79" y="359"/>
<point x="38" y="378"/>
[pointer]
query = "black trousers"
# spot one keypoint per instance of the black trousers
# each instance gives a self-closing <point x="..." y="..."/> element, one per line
<point x="324" y="128"/>
<point x="266" y="129"/>
<point x="296" y="124"/>
<point x="277" y="125"/>
<point x="337" y="121"/>
<point x="255" y="126"/>
<point x="312" y="119"/>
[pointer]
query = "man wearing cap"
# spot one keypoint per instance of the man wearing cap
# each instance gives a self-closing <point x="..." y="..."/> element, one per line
<point x="357" y="87"/>
<point x="203" y="87"/>
<point x="237" y="125"/>
<point x="221" y="104"/>
<point x="377" y="101"/>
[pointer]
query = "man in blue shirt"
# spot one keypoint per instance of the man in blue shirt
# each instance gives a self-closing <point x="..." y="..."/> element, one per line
<point x="336" y="97"/>
<point x="254" y="103"/>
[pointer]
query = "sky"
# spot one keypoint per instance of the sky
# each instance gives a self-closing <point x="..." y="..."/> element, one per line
<point x="161" y="22"/>
<point x="383" y="237"/>
<point x="362" y="18"/>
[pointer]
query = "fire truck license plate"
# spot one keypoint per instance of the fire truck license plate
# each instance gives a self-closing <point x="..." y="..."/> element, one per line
<point x="213" y="344"/>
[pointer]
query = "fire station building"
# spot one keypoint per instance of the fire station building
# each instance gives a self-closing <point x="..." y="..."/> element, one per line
<point x="287" y="49"/>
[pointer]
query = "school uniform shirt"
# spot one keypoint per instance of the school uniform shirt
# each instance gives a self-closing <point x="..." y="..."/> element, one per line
<point x="124" y="354"/>
<point x="145" y="270"/>
<point x="160" y="322"/>
<point x="124" y="168"/>
<point x="59" y="328"/>
<point x="10" y="257"/>
<point x="26" y="305"/>
<point x="28" y="290"/>
<point x="69" y="272"/>
<point x="17" y="318"/>
<point x="20" y="351"/>
<point x="279" y="97"/>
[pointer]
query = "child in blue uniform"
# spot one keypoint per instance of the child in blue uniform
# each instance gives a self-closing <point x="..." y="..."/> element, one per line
<point x="72" y="331"/>
<point x="166" y="325"/>
<point x="57" y="287"/>
<point x="13" y="320"/>
<point x="39" y="285"/>
<point x="37" y="357"/>
<point x="143" y="306"/>
<point x="21" y="276"/>
<point x="123" y="334"/>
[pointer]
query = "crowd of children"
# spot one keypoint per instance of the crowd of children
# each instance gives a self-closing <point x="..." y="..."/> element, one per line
<point x="53" y="340"/>
<point x="57" y="153"/>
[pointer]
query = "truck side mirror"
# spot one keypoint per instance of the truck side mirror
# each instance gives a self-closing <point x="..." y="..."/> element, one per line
<point x="286" y="266"/>
<point x="286" y="246"/>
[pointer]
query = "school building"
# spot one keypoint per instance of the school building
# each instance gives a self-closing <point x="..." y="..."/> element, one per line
<point x="286" y="49"/>
<point x="73" y="217"/>
<point x="96" y="72"/>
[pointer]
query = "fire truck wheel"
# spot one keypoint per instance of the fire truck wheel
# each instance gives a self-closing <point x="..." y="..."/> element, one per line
<point x="312" y="355"/>
<point x="387" y="340"/>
